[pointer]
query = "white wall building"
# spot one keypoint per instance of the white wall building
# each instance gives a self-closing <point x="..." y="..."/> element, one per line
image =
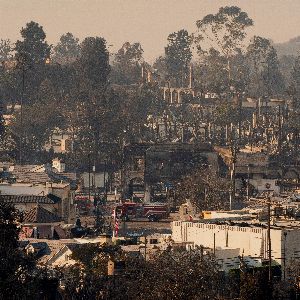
<point x="251" y="241"/>
<point x="61" y="190"/>
<point x="96" y="179"/>
<point x="59" y="165"/>
<point x="60" y="142"/>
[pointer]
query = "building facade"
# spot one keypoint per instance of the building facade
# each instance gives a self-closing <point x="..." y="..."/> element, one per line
<point x="152" y="166"/>
<point x="250" y="240"/>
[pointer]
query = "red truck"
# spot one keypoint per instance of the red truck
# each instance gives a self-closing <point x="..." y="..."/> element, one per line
<point x="83" y="203"/>
<point x="152" y="211"/>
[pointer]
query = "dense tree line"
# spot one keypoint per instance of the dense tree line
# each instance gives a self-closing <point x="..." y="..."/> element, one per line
<point x="104" y="100"/>
<point x="68" y="87"/>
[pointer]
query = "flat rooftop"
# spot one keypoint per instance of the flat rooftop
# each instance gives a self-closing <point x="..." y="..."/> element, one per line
<point x="276" y="224"/>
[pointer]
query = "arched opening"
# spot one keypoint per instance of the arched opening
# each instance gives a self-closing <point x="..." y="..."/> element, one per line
<point x="167" y="96"/>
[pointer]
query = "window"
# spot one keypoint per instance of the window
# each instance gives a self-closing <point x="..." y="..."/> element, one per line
<point x="153" y="241"/>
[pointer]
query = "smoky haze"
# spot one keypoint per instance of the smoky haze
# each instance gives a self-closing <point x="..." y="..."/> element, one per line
<point x="144" y="21"/>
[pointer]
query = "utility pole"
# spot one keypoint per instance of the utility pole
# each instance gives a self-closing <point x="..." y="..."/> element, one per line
<point x="234" y="152"/>
<point x="145" y="251"/>
<point x="105" y="185"/>
<point x="279" y="130"/>
<point x="21" y="115"/>
<point x="240" y="116"/>
<point x="214" y="244"/>
<point x="284" y="255"/>
<point x="94" y="179"/>
<point x="89" y="157"/>
<point x="269" y="240"/>
<point x="248" y="178"/>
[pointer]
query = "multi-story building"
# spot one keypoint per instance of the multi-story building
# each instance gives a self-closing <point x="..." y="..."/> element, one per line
<point x="57" y="198"/>
<point x="150" y="166"/>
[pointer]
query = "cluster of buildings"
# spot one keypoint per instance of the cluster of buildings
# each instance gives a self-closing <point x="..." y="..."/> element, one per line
<point x="241" y="239"/>
<point x="267" y="228"/>
<point x="236" y="239"/>
<point x="44" y="194"/>
<point x="58" y="252"/>
<point x="245" y="151"/>
<point x="152" y="169"/>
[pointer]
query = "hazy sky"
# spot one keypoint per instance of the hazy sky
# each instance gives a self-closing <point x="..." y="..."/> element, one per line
<point x="146" y="21"/>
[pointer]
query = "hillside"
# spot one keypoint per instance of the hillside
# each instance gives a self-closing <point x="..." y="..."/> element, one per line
<point x="292" y="47"/>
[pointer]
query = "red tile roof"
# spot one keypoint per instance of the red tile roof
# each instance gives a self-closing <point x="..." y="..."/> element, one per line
<point x="39" y="214"/>
<point x="15" y="199"/>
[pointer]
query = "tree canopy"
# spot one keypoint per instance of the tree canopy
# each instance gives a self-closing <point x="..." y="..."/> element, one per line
<point x="265" y="78"/>
<point x="225" y="32"/>
<point x="127" y="65"/>
<point x="33" y="49"/>
<point x="178" y="56"/>
<point x="67" y="50"/>
<point x="93" y="63"/>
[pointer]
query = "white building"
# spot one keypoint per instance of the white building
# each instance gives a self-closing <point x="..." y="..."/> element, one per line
<point x="59" y="165"/>
<point x="95" y="179"/>
<point x="60" y="142"/>
<point x="250" y="241"/>
<point x="62" y="190"/>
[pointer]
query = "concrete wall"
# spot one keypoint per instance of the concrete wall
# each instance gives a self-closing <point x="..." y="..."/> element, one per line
<point x="251" y="241"/>
<point x="22" y="189"/>
<point x="97" y="179"/>
<point x="260" y="185"/>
